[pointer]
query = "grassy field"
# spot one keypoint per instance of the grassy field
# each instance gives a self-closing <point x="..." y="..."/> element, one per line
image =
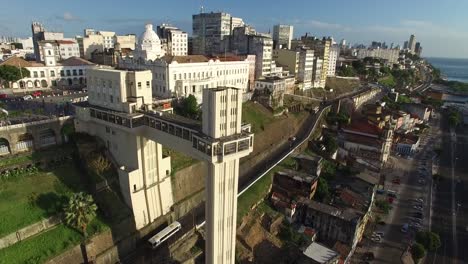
<point x="260" y="189"/>
<point x="252" y="113"/>
<point x="46" y="245"/>
<point x="16" y="210"/>
<point x="342" y="86"/>
<point x="388" y="81"/>
<point x="178" y="160"/>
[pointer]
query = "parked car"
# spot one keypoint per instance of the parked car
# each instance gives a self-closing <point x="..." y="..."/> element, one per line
<point x="390" y="199"/>
<point x="369" y="256"/>
<point x="396" y="181"/>
<point x="27" y="97"/>
<point x="380" y="191"/>
<point x="3" y="96"/>
<point x="36" y="93"/>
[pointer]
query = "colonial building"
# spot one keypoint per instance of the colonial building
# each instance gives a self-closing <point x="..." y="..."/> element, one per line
<point x="69" y="73"/>
<point x="185" y="75"/>
<point x="366" y="141"/>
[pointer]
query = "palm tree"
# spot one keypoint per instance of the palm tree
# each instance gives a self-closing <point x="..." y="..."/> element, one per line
<point x="80" y="211"/>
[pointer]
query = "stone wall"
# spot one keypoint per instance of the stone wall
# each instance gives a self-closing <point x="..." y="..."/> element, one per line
<point x="188" y="181"/>
<point x="29" y="231"/>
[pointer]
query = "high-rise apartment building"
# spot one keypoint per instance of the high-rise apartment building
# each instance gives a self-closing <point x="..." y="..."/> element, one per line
<point x="210" y="29"/>
<point x="334" y="54"/>
<point x="245" y="40"/>
<point x="321" y="49"/>
<point x="282" y="36"/>
<point x="173" y="40"/>
<point x="412" y="44"/>
<point x="405" y="45"/>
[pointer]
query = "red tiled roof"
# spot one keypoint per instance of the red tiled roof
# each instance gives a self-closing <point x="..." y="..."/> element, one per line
<point x="75" y="61"/>
<point x="66" y="41"/>
<point x="186" y="59"/>
<point x="363" y="126"/>
<point x="227" y="58"/>
<point x="17" y="62"/>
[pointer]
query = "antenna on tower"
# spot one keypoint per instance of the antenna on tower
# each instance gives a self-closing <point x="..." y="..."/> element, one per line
<point x="202" y="9"/>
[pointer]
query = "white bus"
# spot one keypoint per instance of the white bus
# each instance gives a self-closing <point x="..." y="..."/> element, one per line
<point x="166" y="233"/>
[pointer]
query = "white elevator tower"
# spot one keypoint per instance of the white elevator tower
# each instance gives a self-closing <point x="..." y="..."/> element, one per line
<point x="122" y="117"/>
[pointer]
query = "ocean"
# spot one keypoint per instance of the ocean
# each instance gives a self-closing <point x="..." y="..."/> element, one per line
<point x="453" y="69"/>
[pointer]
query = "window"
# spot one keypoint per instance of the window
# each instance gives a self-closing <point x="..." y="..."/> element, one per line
<point x="148" y="85"/>
<point x="139" y="85"/>
<point x="111" y="98"/>
<point x="80" y="72"/>
<point x="175" y="76"/>
<point x="74" y="72"/>
<point x="107" y="129"/>
<point x="193" y="88"/>
<point x="62" y="73"/>
<point x="68" y="73"/>
<point x="134" y="187"/>
<point x="52" y="74"/>
<point x="35" y="74"/>
<point x="49" y="52"/>
<point x="42" y="74"/>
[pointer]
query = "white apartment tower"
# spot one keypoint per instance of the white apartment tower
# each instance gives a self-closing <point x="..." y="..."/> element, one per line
<point x="306" y="67"/>
<point x="174" y="40"/>
<point x="412" y="44"/>
<point x="334" y="54"/>
<point x="282" y="36"/>
<point x="210" y="29"/>
<point x="118" y="113"/>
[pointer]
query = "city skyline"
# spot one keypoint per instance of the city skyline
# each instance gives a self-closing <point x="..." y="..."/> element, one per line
<point x="438" y="28"/>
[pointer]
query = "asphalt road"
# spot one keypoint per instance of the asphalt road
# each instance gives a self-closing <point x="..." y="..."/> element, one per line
<point x="395" y="243"/>
<point x="450" y="215"/>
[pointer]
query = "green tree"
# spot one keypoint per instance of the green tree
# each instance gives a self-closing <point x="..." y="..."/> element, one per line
<point x="188" y="107"/>
<point x="12" y="74"/>
<point x="454" y="118"/>
<point x="430" y="240"/>
<point x="80" y="211"/>
<point x="417" y="251"/>
<point x="383" y="205"/>
<point x="330" y="144"/>
<point x="328" y="170"/>
<point x="323" y="191"/>
<point x="347" y="71"/>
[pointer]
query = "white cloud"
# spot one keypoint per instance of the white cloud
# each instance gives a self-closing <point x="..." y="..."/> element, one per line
<point x="67" y="16"/>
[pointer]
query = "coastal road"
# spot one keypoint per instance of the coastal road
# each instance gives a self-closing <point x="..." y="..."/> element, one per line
<point x="450" y="215"/>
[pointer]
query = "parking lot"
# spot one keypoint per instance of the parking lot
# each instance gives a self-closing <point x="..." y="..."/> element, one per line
<point x="407" y="188"/>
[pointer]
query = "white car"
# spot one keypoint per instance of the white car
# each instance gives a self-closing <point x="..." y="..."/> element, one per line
<point x="27" y="97"/>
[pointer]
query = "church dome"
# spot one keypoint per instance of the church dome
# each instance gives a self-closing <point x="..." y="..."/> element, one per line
<point x="149" y="36"/>
<point x="149" y="45"/>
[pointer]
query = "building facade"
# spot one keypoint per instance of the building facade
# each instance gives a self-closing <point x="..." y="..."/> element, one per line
<point x="282" y="36"/>
<point x="63" y="49"/>
<point x="334" y="54"/>
<point x="174" y="40"/>
<point x="39" y="33"/>
<point x="390" y="55"/>
<point x="70" y="73"/>
<point x="182" y="76"/>
<point x="210" y="29"/>
<point x="103" y="40"/>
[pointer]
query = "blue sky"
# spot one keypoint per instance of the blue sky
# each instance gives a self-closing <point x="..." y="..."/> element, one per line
<point x="440" y="26"/>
